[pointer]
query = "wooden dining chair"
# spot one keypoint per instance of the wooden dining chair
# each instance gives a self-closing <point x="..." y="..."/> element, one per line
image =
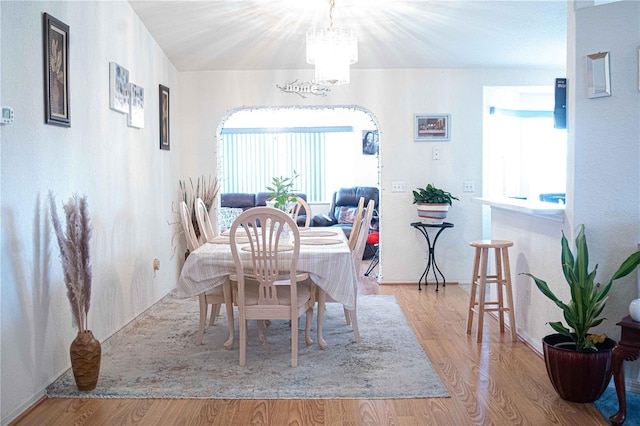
<point x="355" y="229"/>
<point x="207" y="234"/>
<point x="267" y="289"/>
<point x="351" y="315"/>
<point x="215" y="297"/>
<point x="301" y="205"/>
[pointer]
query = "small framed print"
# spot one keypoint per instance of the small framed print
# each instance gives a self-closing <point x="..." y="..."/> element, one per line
<point x="431" y="127"/>
<point x="56" y="71"/>
<point x="118" y="88"/>
<point x="165" y="142"/>
<point x="136" y="106"/>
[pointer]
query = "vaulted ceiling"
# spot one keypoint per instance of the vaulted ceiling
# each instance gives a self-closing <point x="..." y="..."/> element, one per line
<point x="262" y="35"/>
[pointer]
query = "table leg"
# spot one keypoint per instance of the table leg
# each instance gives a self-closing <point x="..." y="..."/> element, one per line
<point x="322" y="298"/>
<point x="620" y="354"/>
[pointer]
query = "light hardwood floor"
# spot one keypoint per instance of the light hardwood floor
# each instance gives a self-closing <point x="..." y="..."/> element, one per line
<point x="494" y="383"/>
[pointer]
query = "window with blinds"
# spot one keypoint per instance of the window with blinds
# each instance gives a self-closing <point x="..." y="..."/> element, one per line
<point x="251" y="157"/>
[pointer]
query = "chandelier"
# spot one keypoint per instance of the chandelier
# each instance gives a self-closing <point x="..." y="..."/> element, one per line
<point x="332" y="51"/>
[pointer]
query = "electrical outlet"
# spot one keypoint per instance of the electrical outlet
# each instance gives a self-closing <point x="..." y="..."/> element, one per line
<point x="435" y="154"/>
<point x="398" y="187"/>
<point x="468" y="186"/>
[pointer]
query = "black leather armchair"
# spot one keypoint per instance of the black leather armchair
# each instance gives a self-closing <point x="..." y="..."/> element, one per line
<point x="348" y="198"/>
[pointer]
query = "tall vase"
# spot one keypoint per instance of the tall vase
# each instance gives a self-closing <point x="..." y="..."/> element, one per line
<point x="85" y="354"/>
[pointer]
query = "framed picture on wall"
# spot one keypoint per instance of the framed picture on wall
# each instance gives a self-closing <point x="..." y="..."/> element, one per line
<point x="118" y="88"/>
<point x="56" y="71"/>
<point x="431" y="127"/>
<point x="369" y="142"/>
<point x="165" y="142"/>
<point x="136" y="106"/>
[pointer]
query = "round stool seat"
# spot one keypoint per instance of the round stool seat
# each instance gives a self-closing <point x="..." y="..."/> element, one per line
<point x="491" y="243"/>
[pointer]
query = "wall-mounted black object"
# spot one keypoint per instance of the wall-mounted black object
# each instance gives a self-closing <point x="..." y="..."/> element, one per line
<point x="560" y="109"/>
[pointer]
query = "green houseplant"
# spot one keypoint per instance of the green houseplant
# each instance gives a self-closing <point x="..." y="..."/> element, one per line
<point x="281" y="191"/>
<point x="573" y="350"/>
<point x="433" y="203"/>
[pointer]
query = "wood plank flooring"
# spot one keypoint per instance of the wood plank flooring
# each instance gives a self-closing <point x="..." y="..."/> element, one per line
<point x="494" y="383"/>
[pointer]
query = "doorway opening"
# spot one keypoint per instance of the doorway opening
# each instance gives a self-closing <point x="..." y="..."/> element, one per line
<point x="328" y="147"/>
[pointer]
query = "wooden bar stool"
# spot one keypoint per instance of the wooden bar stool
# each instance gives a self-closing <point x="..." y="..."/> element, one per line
<point x="502" y="277"/>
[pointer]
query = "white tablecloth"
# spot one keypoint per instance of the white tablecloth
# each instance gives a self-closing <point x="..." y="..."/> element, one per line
<point x="329" y="266"/>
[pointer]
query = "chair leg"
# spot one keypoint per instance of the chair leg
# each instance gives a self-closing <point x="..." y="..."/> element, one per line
<point x="322" y="298"/>
<point x="472" y="299"/>
<point x="347" y="317"/>
<point x="243" y="340"/>
<point x="500" y="287"/>
<point x="354" y="324"/>
<point x="215" y="311"/>
<point x="482" y="282"/>
<point x="228" y="303"/>
<point x="294" y="346"/>
<point x="512" y="316"/>
<point x="261" y="337"/>
<point x="203" y="317"/>
<point x="307" y="328"/>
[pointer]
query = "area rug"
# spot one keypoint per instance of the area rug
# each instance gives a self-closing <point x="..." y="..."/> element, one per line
<point x="607" y="405"/>
<point x="156" y="356"/>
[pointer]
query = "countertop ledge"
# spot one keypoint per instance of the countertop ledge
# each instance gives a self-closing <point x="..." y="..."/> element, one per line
<point x="550" y="211"/>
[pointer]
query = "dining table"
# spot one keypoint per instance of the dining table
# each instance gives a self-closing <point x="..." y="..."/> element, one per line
<point x="324" y="255"/>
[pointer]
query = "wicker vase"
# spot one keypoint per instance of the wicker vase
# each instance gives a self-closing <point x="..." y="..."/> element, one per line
<point x="85" y="360"/>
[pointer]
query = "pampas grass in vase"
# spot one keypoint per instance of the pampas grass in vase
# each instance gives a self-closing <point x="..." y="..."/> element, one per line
<point x="73" y="242"/>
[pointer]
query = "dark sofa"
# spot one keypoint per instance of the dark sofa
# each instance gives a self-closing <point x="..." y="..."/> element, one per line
<point x="343" y="201"/>
<point x="244" y="201"/>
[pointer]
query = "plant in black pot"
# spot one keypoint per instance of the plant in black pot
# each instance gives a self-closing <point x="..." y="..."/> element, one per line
<point x="579" y="363"/>
<point x="433" y="203"/>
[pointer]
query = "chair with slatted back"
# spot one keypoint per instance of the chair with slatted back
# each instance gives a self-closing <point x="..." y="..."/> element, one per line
<point x="301" y="207"/>
<point x="207" y="234"/>
<point x="356" y="256"/>
<point x="355" y="229"/>
<point x="268" y="285"/>
<point x="218" y="295"/>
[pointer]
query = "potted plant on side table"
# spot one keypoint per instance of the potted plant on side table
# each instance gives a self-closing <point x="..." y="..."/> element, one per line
<point x="579" y="363"/>
<point x="433" y="203"/>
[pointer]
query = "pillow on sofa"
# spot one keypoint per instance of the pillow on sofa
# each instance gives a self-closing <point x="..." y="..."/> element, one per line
<point x="228" y="215"/>
<point x="347" y="214"/>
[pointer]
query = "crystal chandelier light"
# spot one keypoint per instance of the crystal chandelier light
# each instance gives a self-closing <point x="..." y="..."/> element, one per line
<point x="332" y="51"/>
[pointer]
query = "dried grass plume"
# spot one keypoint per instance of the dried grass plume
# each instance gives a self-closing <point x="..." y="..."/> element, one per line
<point x="73" y="241"/>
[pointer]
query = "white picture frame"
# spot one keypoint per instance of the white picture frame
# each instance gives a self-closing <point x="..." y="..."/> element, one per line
<point x="431" y="127"/>
<point x="118" y="88"/>
<point x="136" y="106"/>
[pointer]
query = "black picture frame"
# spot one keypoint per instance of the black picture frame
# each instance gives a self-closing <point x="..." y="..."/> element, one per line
<point x="57" y="110"/>
<point x="164" y="114"/>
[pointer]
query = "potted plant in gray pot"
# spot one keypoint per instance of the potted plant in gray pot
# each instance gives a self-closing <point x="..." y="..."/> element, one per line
<point x="433" y="203"/>
<point x="579" y="363"/>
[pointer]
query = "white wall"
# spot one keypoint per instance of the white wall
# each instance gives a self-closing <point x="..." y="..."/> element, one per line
<point x="393" y="96"/>
<point x="129" y="182"/>
<point x="603" y="177"/>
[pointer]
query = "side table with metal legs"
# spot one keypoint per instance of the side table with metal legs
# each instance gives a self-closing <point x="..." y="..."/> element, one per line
<point x="431" y="257"/>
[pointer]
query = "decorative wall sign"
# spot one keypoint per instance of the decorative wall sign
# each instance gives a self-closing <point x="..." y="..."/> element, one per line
<point x="165" y="142"/>
<point x="300" y="88"/>
<point x="118" y="88"/>
<point x="56" y="71"/>
<point x="136" y="106"/>
<point x="431" y="127"/>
